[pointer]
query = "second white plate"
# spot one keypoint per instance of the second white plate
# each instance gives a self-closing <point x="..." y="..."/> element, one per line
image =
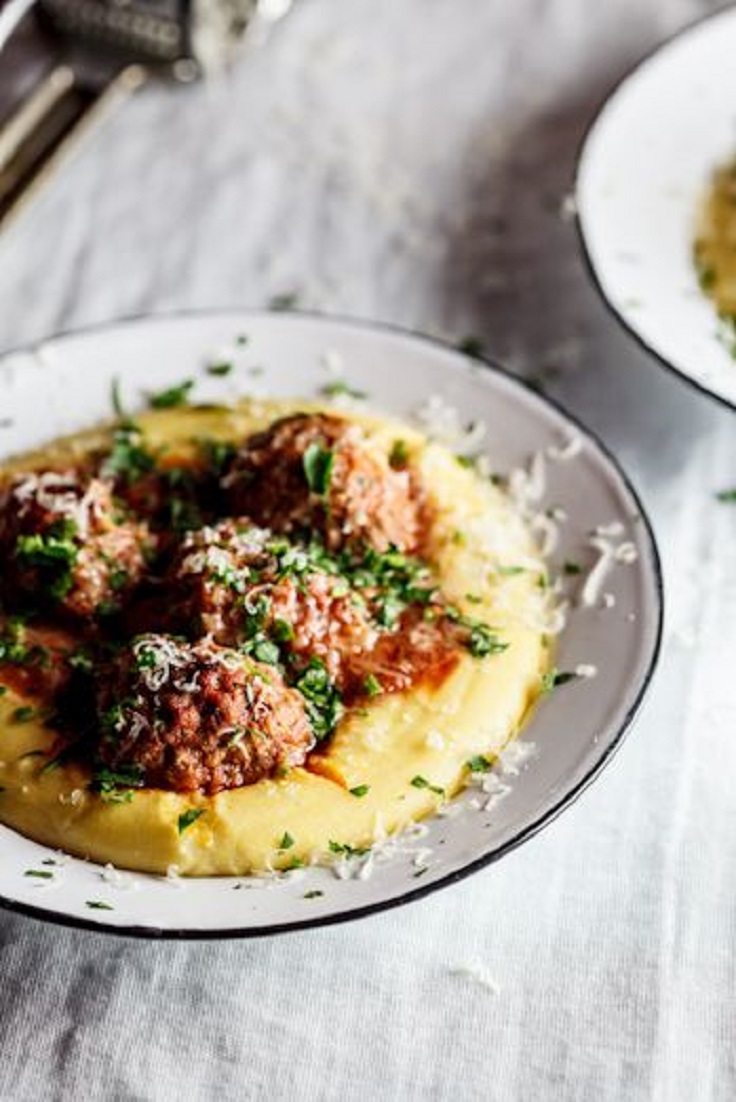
<point x="643" y="170"/>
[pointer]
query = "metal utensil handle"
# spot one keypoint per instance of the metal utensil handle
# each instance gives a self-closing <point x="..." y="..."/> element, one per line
<point x="48" y="126"/>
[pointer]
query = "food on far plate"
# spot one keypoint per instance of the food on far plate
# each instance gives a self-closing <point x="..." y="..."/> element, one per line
<point x="251" y="638"/>
<point x="715" y="249"/>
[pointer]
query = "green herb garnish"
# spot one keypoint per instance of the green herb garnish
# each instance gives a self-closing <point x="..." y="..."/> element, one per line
<point x="727" y="497"/>
<point x="314" y="894"/>
<point x="173" y="396"/>
<point x="220" y="369"/>
<point x="317" y="463"/>
<point x="372" y="686"/>
<point x="98" y="905"/>
<point x="421" y="782"/>
<point x="323" y="701"/>
<point x="399" y="454"/>
<point x="265" y="651"/>
<point x="115" y="786"/>
<point x="40" y="874"/>
<point x="570" y="567"/>
<point x="285" y="301"/>
<point x="127" y="459"/>
<point x="553" y="678"/>
<point x="187" y="818"/>
<point x="286" y="841"/>
<point x="344" y="849"/>
<point x="479" y="764"/>
<point x="360" y="790"/>
<point x="339" y="387"/>
<point x="54" y="554"/>
<point x="25" y="714"/>
<point x="282" y="631"/>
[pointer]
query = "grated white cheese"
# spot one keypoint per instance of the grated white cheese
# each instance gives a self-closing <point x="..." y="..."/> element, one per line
<point x="515" y="756"/>
<point x="609" y="554"/>
<point x="476" y="974"/>
<point x="564" y="452"/>
<point x="435" y="740"/>
<point x="443" y="424"/>
<point x="586" y="670"/>
<point x="333" y="363"/>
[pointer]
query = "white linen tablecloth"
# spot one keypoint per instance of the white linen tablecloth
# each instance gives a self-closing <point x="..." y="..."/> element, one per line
<point x="408" y="160"/>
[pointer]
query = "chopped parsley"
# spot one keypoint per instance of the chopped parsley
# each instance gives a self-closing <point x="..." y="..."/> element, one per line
<point x="360" y="790"/>
<point x="127" y="459"/>
<point x="481" y="640"/>
<point x="372" y="686"/>
<point x="286" y="841"/>
<point x="399" y="454"/>
<point x="266" y="651"/>
<point x="479" y="764"/>
<point x="115" y="786"/>
<point x="282" y="631"/>
<point x="286" y="301"/>
<point x="317" y="463"/>
<point x="570" y="567"/>
<point x="421" y="782"/>
<point x="553" y="678"/>
<point x="322" y="700"/>
<point x="727" y="497"/>
<point x="344" y="849"/>
<point x="81" y="661"/>
<point x="98" y="905"/>
<point x="339" y="387"/>
<point x="218" y="454"/>
<point x="173" y="396"/>
<point x="117" y="402"/>
<point x="314" y="894"/>
<point x="40" y="874"/>
<point x="25" y="714"/>
<point x="220" y="369"/>
<point x="54" y="554"/>
<point x="3" y="690"/>
<point x="58" y="760"/>
<point x="188" y="817"/>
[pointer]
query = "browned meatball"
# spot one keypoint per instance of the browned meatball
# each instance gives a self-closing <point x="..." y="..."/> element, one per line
<point x="419" y="651"/>
<point x="238" y="584"/>
<point x="317" y="472"/>
<point x="192" y="717"/>
<point x="65" y="544"/>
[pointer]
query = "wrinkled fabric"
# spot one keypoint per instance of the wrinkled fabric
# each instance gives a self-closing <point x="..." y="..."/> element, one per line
<point x="409" y="162"/>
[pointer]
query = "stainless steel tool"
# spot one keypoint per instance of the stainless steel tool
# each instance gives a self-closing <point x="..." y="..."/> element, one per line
<point x="63" y="63"/>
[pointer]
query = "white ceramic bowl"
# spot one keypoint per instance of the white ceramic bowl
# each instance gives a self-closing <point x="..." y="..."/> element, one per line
<point x="643" y="169"/>
<point x="65" y="385"/>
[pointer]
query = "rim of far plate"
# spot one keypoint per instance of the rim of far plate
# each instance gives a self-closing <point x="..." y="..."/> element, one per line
<point x="628" y="326"/>
<point x="525" y="834"/>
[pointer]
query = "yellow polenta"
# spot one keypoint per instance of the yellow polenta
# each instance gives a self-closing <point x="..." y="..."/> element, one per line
<point x="487" y="564"/>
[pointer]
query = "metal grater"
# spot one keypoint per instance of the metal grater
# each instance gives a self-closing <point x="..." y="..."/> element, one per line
<point x="63" y="63"/>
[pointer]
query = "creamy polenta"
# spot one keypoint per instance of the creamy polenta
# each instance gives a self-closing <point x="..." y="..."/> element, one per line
<point x="715" y="244"/>
<point x="393" y="758"/>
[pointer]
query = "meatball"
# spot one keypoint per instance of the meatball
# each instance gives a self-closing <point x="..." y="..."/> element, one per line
<point x="318" y="472"/>
<point x="197" y="717"/>
<point x="65" y="544"/>
<point x="240" y="585"/>
<point x="37" y="659"/>
<point x="419" y="651"/>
